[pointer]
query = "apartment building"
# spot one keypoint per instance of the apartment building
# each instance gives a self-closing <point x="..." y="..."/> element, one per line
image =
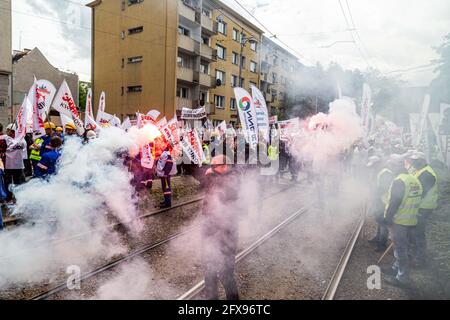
<point x="5" y="63"/>
<point x="169" y="54"/>
<point x="278" y="70"/>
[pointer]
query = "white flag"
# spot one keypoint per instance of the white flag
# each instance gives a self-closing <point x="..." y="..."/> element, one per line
<point x="101" y="105"/>
<point x="65" y="119"/>
<point x="115" y="121"/>
<point x="154" y="114"/>
<point x="21" y="120"/>
<point x="45" y="92"/>
<point x="89" y="121"/>
<point x="247" y="114"/>
<point x="65" y="104"/>
<point x="126" y="124"/>
<point x="171" y="132"/>
<point x="161" y="123"/>
<point x="262" y="115"/>
<point x="36" y="120"/>
<point x="147" y="160"/>
<point x="104" y="119"/>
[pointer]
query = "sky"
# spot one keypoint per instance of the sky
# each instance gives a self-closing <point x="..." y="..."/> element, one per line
<point x="395" y="37"/>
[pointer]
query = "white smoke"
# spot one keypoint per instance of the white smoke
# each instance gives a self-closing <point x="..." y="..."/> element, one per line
<point x="324" y="137"/>
<point x="91" y="190"/>
<point x="132" y="282"/>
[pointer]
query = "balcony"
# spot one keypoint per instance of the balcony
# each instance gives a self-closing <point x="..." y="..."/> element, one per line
<point x="185" y="74"/>
<point x="209" y="26"/>
<point x="210" y="108"/>
<point x="207" y="81"/>
<point x="189" y="12"/>
<point x="184" y="103"/>
<point x="188" y="45"/>
<point x="208" y="53"/>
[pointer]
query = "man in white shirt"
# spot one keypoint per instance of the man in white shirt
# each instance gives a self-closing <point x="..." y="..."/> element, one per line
<point x="14" y="161"/>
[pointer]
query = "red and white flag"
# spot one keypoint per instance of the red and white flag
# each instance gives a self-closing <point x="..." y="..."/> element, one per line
<point x="171" y="132"/>
<point x="104" y="119"/>
<point x="247" y="115"/>
<point x="143" y="119"/>
<point x="89" y="121"/>
<point x="147" y="159"/>
<point x="101" y="105"/>
<point x="65" y="104"/>
<point x="192" y="146"/>
<point x="37" y="123"/>
<point x="21" y="120"/>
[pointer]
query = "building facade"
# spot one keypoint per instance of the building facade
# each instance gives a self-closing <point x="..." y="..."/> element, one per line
<point x="29" y="63"/>
<point x="166" y="55"/>
<point x="5" y="63"/>
<point x="278" y="71"/>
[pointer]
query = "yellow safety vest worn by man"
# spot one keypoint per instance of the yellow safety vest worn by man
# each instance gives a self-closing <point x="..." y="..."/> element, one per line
<point x="405" y="196"/>
<point x="272" y="153"/>
<point x="35" y="153"/>
<point x="428" y="179"/>
<point x="207" y="160"/>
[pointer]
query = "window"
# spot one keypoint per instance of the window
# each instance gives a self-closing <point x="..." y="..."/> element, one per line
<point x="205" y="40"/>
<point x="220" y="75"/>
<point x="183" y="92"/>
<point x="253" y="45"/>
<point x="221" y="52"/>
<point x="183" y="31"/>
<point x="234" y="80"/>
<point x="222" y="27"/>
<point x="253" y="66"/>
<point x="235" y="34"/>
<point x="2" y="103"/>
<point x="135" y="30"/>
<point x="206" y="12"/>
<point x="219" y="101"/>
<point x="131" y="2"/>
<point x="283" y="80"/>
<point x="135" y="59"/>
<point x="274" y="78"/>
<point x="275" y="61"/>
<point x="122" y="91"/>
<point x="204" y="68"/>
<point x="232" y="104"/>
<point x="274" y="94"/>
<point x="182" y="62"/>
<point x="123" y="63"/>
<point x="234" y="58"/>
<point x="243" y="62"/>
<point x="134" y="89"/>
<point x="241" y="82"/>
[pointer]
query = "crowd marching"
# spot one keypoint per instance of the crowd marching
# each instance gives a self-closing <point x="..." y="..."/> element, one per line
<point x="405" y="186"/>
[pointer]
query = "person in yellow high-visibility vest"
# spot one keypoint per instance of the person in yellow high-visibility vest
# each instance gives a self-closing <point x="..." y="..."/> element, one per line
<point x="400" y="216"/>
<point x="428" y="178"/>
<point x="384" y="177"/>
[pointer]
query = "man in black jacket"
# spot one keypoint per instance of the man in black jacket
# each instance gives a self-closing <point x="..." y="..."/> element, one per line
<point x="220" y="228"/>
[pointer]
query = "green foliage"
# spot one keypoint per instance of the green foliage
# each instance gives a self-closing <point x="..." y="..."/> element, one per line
<point x="440" y="86"/>
<point x="83" y="90"/>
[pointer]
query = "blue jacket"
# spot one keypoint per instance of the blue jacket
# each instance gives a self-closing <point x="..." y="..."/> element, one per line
<point x="47" y="165"/>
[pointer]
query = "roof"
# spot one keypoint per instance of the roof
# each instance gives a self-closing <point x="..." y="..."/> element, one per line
<point x="94" y="3"/>
<point x="237" y="15"/>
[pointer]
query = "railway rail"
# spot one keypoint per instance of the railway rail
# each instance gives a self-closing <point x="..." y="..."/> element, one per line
<point x="48" y="293"/>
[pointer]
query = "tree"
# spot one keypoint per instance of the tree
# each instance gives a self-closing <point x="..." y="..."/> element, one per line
<point x="440" y="86"/>
<point x="83" y="88"/>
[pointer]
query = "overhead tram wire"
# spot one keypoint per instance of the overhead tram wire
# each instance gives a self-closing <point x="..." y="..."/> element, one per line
<point x="353" y="37"/>
<point x="273" y="34"/>
<point x="357" y="33"/>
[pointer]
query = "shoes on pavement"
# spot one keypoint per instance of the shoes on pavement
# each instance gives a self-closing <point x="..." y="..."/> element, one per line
<point x="397" y="283"/>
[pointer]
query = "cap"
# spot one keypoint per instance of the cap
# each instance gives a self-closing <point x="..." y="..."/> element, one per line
<point x="49" y="125"/>
<point x="70" y="126"/>
<point x="10" y="126"/>
<point x="59" y="129"/>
